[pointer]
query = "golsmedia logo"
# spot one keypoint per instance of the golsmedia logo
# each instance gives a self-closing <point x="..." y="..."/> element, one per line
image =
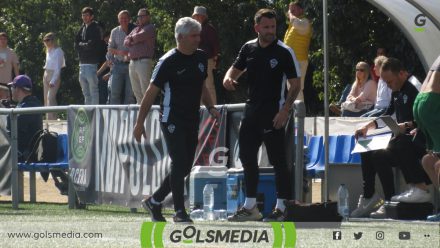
<point x="420" y="22"/>
<point x="152" y="235"/>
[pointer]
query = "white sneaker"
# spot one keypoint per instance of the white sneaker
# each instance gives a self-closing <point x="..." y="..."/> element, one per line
<point x="417" y="195"/>
<point x="380" y="213"/>
<point x="366" y="206"/>
<point x="408" y="191"/>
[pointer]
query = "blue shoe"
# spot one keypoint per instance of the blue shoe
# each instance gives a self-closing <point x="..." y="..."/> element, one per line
<point x="435" y="217"/>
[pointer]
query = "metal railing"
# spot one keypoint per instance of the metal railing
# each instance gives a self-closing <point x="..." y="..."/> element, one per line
<point x="299" y="113"/>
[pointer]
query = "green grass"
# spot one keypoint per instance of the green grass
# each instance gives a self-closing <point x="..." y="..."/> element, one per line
<point x="121" y="228"/>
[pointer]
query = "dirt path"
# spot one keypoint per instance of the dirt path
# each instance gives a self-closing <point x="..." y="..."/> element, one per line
<point x="46" y="191"/>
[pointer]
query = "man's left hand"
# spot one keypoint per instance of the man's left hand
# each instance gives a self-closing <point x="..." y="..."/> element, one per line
<point x="280" y="119"/>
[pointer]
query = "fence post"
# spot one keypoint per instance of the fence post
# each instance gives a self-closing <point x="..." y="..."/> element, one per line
<point x="14" y="161"/>
<point x="300" y="114"/>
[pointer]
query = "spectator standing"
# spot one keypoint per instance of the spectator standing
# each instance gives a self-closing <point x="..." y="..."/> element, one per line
<point x="141" y="44"/>
<point x="87" y="44"/>
<point x="8" y="60"/>
<point x="52" y="72"/>
<point x="103" y="72"/>
<point x="120" y="84"/>
<point x="210" y="44"/>
<point x="298" y="36"/>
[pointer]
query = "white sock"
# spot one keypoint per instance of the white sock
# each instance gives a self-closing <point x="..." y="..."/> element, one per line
<point x="280" y="204"/>
<point x="249" y="203"/>
<point x="154" y="201"/>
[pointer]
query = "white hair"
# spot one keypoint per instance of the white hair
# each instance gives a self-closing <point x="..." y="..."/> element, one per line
<point x="186" y="25"/>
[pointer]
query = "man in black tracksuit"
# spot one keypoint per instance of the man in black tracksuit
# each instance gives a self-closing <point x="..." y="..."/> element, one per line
<point x="269" y="62"/>
<point x="180" y="74"/>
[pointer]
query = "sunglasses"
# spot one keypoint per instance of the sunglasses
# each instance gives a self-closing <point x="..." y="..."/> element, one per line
<point x="140" y="16"/>
<point x="45" y="40"/>
<point x="362" y="70"/>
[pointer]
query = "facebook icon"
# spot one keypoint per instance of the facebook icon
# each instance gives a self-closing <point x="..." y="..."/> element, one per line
<point x="337" y="235"/>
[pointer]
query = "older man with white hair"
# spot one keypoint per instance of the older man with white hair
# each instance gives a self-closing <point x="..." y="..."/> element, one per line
<point x="180" y="75"/>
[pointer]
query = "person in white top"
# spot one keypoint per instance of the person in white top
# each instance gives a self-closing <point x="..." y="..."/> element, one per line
<point x="383" y="91"/>
<point x="52" y="72"/>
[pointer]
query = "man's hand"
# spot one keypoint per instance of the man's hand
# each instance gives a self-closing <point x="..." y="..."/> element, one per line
<point x="229" y="83"/>
<point x="361" y="132"/>
<point x="215" y="114"/>
<point x="280" y="119"/>
<point x="138" y="132"/>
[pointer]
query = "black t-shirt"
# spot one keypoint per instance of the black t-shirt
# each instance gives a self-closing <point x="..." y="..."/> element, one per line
<point x="180" y="78"/>
<point x="402" y="102"/>
<point x="267" y="67"/>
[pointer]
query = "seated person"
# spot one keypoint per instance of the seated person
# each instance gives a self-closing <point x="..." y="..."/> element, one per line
<point x="383" y="92"/>
<point x="401" y="152"/>
<point x="362" y="96"/>
<point x="29" y="124"/>
<point x="427" y="117"/>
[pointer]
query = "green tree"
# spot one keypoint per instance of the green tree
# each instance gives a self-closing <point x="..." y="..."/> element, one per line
<point x="356" y="28"/>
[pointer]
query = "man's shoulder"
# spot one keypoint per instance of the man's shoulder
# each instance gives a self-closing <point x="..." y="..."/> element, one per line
<point x="150" y="27"/>
<point x="10" y="51"/>
<point x="168" y="56"/>
<point x="284" y="49"/>
<point x="30" y="101"/>
<point x="410" y="88"/>
<point x="116" y="29"/>
<point x="251" y="44"/>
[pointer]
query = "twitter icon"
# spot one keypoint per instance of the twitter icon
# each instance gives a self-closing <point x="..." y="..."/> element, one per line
<point x="357" y="236"/>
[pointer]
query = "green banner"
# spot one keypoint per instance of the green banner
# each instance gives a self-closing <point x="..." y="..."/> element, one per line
<point x="283" y="235"/>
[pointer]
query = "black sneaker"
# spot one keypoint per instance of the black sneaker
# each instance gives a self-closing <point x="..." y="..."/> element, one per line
<point x="244" y="214"/>
<point x="182" y="217"/>
<point x="276" y="215"/>
<point x="154" y="209"/>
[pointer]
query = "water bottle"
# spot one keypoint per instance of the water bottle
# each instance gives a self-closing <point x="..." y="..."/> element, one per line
<point x="196" y="214"/>
<point x="343" y="201"/>
<point x="208" y="202"/>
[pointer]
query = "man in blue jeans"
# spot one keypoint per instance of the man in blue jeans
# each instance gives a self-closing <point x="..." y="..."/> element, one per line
<point x="87" y="43"/>
<point x="121" y="91"/>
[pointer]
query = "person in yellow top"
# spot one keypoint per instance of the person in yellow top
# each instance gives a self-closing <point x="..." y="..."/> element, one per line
<point x="298" y="36"/>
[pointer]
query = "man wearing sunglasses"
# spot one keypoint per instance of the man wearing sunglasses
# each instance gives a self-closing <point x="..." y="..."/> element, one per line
<point x="140" y="43"/>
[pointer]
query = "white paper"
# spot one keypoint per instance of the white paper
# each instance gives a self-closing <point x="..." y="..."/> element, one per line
<point x="372" y="143"/>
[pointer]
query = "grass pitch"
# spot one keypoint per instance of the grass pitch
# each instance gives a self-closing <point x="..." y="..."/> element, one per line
<point x="112" y="226"/>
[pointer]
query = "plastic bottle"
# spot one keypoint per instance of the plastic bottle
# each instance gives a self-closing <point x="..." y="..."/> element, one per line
<point x="343" y="207"/>
<point x="197" y="214"/>
<point x="208" y="202"/>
